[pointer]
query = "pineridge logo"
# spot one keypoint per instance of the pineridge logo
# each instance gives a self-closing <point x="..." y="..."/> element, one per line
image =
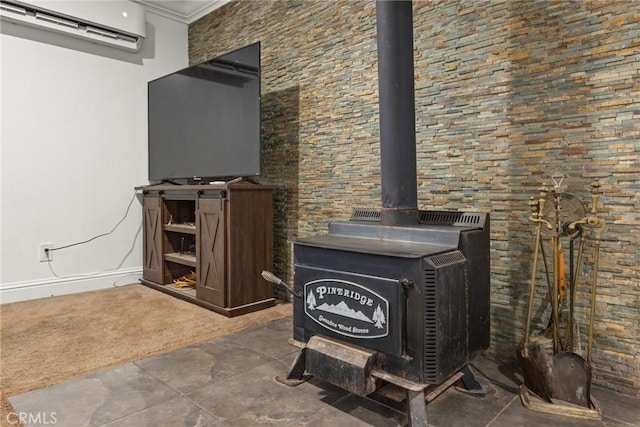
<point x="347" y="308"/>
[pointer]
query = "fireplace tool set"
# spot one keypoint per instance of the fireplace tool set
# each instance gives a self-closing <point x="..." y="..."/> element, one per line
<point x="560" y="378"/>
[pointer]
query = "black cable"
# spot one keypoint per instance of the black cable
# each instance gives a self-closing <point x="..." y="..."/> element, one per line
<point x="99" y="235"/>
<point x="49" y="264"/>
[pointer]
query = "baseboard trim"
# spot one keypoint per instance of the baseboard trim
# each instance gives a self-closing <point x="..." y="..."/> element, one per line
<point x="45" y="288"/>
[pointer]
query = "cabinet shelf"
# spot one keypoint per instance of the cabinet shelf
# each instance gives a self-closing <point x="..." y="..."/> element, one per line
<point x="184" y="259"/>
<point x="181" y="228"/>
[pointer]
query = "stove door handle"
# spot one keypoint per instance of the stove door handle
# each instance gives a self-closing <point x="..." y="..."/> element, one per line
<point x="272" y="278"/>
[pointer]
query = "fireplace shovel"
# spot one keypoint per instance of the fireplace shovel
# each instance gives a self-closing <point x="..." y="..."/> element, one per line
<point x="571" y="373"/>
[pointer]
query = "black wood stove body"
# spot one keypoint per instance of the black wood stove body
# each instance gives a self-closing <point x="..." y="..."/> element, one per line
<point x="416" y="295"/>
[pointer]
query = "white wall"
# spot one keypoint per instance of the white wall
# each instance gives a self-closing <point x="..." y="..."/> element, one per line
<point x="73" y="147"/>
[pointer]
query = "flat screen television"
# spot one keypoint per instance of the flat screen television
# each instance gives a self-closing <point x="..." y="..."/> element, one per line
<point x="204" y="120"/>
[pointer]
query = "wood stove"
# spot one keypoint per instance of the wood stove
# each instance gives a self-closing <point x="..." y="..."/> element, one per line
<point x="397" y="294"/>
<point x="400" y="304"/>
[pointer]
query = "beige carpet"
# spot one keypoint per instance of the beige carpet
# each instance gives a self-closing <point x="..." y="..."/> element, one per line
<point x="46" y="341"/>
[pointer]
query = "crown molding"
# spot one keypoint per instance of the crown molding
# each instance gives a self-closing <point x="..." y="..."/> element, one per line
<point x="185" y="11"/>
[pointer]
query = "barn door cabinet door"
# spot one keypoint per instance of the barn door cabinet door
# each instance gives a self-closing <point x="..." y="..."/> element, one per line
<point x="153" y="257"/>
<point x="210" y="251"/>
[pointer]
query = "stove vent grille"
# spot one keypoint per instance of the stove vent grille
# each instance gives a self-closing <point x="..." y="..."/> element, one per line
<point x="430" y="326"/>
<point x="460" y="219"/>
<point x="451" y="218"/>
<point x="364" y="214"/>
<point x="444" y="315"/>
<point x="446" y="259"/>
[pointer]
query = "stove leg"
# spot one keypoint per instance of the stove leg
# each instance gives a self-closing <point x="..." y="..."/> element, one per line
<point x="417" y="408"/>
<point x="296" y="375"/>
<point x="471" y="385"/>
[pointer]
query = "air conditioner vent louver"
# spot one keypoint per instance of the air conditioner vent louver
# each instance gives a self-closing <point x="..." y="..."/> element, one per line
<point x="110" y="34"/>
<point x="56" y="20"/>
<point x="13" y="8"/>
<point x="116" y="24"/>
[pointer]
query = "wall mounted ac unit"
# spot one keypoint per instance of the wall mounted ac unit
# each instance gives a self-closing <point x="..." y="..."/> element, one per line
<point x="119" y="24"/>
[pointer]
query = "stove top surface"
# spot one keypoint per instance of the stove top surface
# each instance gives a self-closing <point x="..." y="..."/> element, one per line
<point x="394" y="248"/>
<point x="397" y="241"/>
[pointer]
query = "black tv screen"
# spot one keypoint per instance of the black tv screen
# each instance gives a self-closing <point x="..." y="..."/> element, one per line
<point x="204" y="121"/>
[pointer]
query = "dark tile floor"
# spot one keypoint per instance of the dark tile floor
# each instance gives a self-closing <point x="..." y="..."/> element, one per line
<point x="229" y="381"/>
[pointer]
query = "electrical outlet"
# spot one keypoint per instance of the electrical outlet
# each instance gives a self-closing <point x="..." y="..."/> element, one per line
<point x="45" y="252"/>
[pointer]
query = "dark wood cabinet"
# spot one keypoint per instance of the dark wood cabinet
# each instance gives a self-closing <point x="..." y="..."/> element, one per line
<point x="221" y="232"/>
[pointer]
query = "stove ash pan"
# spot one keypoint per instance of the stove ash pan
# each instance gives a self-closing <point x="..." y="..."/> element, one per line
<point x="422" y="306"/>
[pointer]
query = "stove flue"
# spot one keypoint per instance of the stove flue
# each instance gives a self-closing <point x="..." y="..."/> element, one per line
<point x="397" y="113"/>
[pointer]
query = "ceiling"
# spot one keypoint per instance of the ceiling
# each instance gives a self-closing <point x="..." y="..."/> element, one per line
<point x="186" y="11"/>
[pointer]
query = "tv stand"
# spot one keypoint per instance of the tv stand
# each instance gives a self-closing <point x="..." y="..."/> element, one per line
<point x="221" y="232"/>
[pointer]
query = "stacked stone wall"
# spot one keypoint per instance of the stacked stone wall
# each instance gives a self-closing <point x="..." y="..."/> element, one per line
<point x="508" y="94"/>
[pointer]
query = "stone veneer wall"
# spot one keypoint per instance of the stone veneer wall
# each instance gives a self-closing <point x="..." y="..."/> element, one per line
<point x="507" y="94"/>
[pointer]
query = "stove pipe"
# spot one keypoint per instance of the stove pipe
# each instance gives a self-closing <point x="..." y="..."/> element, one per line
<point x="397" y="113"/>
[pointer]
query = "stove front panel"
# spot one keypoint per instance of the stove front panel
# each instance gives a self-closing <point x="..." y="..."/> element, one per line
<point x="354" y="296"/>
<point x="360" y="309"/>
